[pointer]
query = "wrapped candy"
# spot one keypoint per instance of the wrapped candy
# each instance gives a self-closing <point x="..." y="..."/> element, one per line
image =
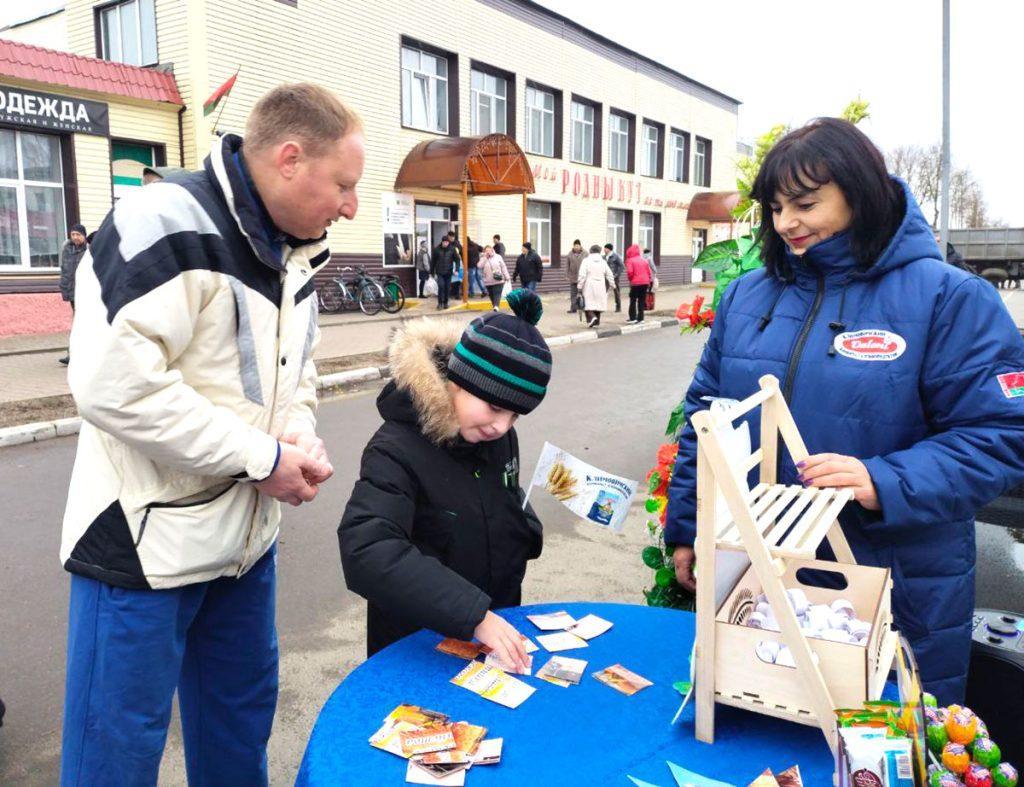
<point x="937" y="737"/>
<point x="982" y="731"/>
<point x="767" y="651"/>
<point x="860" y="630"/>
<point x="843" y="607"/>
<point x="798" y="600"/>
<point x="962" y="726"/>
<point x="817" y="617"/>
<point x="1004" y="775"/>
<point x="929" y="700"/>
<point x="986" y="753"/>
<point x="834" y="635"/>
<point x="945" y="779"/>
<point x="785" y="658"/>
<point x="838" y="622"/>
<point x="757" y="621"/>
<point x="977" y="776"/>
<point x="956" y="758"/>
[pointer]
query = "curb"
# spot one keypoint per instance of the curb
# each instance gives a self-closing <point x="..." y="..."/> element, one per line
<point x="64" y="427"/>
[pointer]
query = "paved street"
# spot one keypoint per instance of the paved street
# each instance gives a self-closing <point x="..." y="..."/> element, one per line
<point x="609" y="402"/>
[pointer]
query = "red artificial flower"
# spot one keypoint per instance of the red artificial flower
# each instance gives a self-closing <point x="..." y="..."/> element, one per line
<point x="667" y="453"/>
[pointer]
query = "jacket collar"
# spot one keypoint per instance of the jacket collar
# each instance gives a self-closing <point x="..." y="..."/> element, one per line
<point x="226" y="166"/>
<point x="831" y="259"/>
<point x="418" y="357"/>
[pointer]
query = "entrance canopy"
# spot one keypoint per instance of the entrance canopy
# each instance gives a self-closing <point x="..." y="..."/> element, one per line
<point x="713" y="206"/>
<point x="494" y="164"/>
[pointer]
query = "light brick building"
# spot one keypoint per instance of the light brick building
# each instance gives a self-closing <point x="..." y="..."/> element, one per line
<point x="618" y="144"/>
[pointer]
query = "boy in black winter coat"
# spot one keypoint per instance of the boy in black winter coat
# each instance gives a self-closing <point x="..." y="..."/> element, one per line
<point x="435" y="534"/>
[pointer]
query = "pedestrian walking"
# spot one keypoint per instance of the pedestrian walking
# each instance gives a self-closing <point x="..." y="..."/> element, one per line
<point x="899" y="370"/>
<point x="595" y="279"/>
<point x="529" y="268"/>
<point x="499" y="247"/>
<point x="495" y="275"/>
<point x="617" y="267"/>
<point x="435" y="534"/>
<point x="193" y="345"/>
<point x="442" y="265"/>
<point x="638" y="270"/>
<point x="422" y="268"/>
<point x="70" y="256"/>
<point x="573" y="260"/>
<point x="473" y="252"/>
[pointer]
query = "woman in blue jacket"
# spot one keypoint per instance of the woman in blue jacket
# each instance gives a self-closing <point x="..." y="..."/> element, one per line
<point x="905" y="376"/>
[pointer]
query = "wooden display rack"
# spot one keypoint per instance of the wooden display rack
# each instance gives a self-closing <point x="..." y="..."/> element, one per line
<point x="780" y="528"/>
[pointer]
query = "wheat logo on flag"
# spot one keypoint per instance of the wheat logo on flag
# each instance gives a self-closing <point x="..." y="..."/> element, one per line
<point x="587" y="491"/>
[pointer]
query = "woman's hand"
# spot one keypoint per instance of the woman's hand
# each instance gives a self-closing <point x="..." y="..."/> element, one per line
<point x="840" y="471"/>
<point x="684" y="557"/>
<point x="502" y="638"/>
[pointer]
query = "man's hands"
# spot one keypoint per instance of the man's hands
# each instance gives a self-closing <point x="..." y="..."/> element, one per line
<point x="501" y="637"/>
<point x="684" y="557"/>
<point x="303" y="466"/>
<point x="840" y="471"/>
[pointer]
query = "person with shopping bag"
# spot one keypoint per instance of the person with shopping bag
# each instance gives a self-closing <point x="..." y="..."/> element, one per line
<point x="495" y="276"/>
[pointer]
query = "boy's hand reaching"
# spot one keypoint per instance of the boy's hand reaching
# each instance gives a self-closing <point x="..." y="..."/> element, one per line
<point x="501" y="637"/>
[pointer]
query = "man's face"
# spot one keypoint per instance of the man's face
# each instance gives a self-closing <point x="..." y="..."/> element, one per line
<point x="77" y="238"/>
<point x="309" y="193"/>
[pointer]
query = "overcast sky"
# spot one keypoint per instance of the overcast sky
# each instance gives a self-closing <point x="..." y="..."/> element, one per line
<point x="791" y="60"/>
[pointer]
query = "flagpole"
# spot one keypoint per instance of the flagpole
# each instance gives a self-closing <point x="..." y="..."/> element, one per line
<point x="221" y="112"/>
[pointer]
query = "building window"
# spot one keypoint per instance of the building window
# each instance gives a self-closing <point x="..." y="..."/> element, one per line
<point x="127" y="32"/>
<point x="620" y="141"/>
<point x="648" y="231"/>
<point x="33" y="226"/>
<point x="702" y="162"/>
<point x="540" y="121"/>
<point x="653" y="138"/>
<point x="488" y="103"/>
<point x="424" y="90"/>
<point x="699" y="241"/>
<point x="583" y="128"/>
<point x="679" y="160"/>
<point x="539" y="225"/>
<point x="617" y="230"/>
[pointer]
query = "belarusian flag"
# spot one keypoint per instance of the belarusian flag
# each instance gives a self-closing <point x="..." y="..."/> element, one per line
<point x="211" y="103"/>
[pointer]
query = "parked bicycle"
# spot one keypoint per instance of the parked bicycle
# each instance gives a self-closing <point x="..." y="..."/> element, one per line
<point x="394" y="295"/>
<point x="362" y="291"/>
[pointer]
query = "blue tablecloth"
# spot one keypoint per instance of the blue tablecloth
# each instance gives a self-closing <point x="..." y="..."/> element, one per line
<point x="588" y="734"/>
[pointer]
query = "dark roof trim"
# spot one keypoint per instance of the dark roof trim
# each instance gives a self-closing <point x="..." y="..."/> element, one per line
<point x="35" y="18"/>
<point x="573" y="32"/>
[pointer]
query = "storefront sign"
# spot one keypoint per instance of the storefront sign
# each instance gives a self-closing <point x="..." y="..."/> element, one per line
<point x="398" y="213"/>
<point x="48" y="111"/>
<point x="588" y="185"/>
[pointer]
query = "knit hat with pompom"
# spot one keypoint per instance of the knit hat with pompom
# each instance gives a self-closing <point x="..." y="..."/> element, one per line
<point x="502" y="358"/>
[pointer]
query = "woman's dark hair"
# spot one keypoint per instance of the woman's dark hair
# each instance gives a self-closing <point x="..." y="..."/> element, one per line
<point x="830" y="150"/>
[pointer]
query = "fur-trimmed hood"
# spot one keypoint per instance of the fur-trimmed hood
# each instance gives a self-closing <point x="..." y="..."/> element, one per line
<point x="418" y="393"/>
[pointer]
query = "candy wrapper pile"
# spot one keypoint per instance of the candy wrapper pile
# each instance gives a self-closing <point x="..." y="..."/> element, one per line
<point x="836" y="622"/>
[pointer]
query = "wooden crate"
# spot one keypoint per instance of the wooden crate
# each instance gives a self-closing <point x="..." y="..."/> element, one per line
<point x="852" y="673"/>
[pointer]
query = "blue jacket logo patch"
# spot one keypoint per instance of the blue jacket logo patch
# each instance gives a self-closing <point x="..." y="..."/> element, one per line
<point x="870" y="344"/>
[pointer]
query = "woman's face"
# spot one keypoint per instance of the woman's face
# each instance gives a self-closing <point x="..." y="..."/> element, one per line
<point x="810" y="218"/>
<point x="478" y="420"/>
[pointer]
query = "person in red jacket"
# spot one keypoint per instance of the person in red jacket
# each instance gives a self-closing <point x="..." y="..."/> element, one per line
<point x="639" y="272"/>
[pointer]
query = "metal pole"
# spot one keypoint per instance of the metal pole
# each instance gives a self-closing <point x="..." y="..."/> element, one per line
<point x="465" y="242"/>
<point x="944" y="214"/>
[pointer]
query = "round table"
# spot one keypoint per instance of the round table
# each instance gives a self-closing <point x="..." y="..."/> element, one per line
<point x="588" y="734"/>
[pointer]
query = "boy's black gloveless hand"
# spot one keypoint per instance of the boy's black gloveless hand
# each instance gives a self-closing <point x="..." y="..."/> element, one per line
<point x="502" y="638"/>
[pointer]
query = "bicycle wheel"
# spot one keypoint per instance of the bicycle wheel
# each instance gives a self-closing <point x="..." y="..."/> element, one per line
<point x="331" y="298"/>
<point x="394" y="297"/>
<point x="371" y="299"/>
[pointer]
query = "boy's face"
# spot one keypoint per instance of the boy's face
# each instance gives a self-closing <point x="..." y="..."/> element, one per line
<point x="479" y="421"/>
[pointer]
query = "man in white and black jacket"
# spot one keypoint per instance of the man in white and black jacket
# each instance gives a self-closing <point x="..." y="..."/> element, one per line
<point x="192" y="368"/>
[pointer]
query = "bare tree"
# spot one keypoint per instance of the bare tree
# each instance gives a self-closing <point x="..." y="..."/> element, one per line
<point x="921" y="168"/>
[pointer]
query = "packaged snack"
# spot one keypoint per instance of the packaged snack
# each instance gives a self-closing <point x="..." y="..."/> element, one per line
<point x="986" y="753"/>
<point x="956" y="758"/>
<point x="468" y="736"/>
<point x="1004" y="775"/>
<point x="937" y="738"/>
<point x="962" y="726"/>
<point x="977" y="776"/>
<point x="427" y="740"/>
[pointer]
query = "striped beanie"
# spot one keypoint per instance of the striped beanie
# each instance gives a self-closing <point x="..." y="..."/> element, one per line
<point x="502" y="358"/>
